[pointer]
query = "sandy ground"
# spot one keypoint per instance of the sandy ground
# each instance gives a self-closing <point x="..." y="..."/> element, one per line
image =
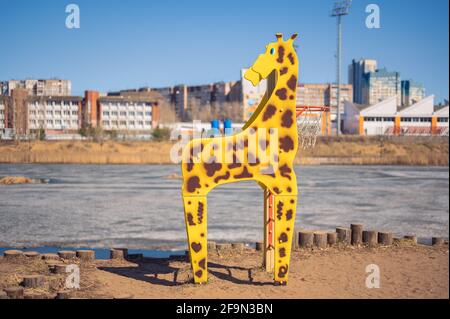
<point x="406" y="271"/>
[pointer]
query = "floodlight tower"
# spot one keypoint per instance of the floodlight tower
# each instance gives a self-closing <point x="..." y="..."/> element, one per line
<point x="340" y="9"/>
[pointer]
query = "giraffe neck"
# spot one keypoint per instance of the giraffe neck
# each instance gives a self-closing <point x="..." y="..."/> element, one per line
<point x="280" y="94"/>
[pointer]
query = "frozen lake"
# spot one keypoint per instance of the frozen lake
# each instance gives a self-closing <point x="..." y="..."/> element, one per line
<point x="135" y="206"/>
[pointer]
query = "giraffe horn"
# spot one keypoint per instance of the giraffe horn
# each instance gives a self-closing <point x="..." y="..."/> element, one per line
<point x="294" y="36"/>
<point x="279" y="36"/>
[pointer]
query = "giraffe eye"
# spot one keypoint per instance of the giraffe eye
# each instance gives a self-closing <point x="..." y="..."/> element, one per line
<point x="272" y="51"/>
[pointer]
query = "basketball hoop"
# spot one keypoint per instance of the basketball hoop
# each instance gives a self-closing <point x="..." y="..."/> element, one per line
<point x="309" y="124"/>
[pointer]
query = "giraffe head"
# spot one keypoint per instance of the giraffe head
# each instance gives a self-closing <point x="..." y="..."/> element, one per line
<point x="275" y="57"/>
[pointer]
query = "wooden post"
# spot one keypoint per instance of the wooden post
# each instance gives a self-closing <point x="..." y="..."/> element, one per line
<point x="116" y="254"/>
<point x="320" y="239"/>
<point x="10" y="254"/>
<point x="370" y="238"/>
<point x="50" y="257"/>
<point x="385" y="238"/>
<point x="411" y="238"/>
<point x="268" y="245"/>
<point x="344" y="235"/>
<point x="437" y="241"/>
<point x="331" y="238"/>
<point x="59" y="268"/>
<point x="357" y="230"/>
<point x="33" y="281"/>
<point x="86" y="255"/>
<point x="259" y="246"/>
<point x="67" y="254"/>
<point x="124" y="251"/>
<point x="14" y="292"/>
<point x="32" y="254"/>
<point x="305" y="239"/>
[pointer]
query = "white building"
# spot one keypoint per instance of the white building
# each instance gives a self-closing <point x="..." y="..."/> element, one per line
<point x="126" y="113"/>
<point x="2" y="114"/>
<point x="384" y="118"/>
<point x="55" y="114"/>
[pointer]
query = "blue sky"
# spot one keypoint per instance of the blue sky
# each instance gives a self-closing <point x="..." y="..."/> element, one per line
<point x="129" y="44"/>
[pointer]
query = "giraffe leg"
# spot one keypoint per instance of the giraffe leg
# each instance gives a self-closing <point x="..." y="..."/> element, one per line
<point x="284" y="216"/>
<point x="195" y="213"/>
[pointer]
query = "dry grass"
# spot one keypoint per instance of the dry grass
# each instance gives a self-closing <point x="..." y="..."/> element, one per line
<point x="328" y="150"/>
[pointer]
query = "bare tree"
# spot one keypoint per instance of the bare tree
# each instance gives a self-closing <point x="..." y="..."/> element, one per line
<point x="167" y="113"/>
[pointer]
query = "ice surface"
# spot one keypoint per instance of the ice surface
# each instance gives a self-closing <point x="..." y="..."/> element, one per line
<point x="135" y="206"/>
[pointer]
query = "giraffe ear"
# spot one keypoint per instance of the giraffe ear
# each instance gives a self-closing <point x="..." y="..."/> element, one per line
<point x="294" y="36"/>
<point x="279" y="36"/>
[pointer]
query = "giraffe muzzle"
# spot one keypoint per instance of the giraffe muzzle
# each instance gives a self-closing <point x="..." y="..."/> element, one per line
<point x="252" y="76"/>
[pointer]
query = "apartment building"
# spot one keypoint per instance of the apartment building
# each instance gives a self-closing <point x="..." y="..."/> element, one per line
<point x="4" y="102"/>
<point x="357" y="71"/>
<point x="381" y="85"/>
<point x="323" y="94"/>
<point x="54" y="114"/>
<point x="184" y="97"/>
<point x="127" y="113"/>
<point x="49" y="87"/>
<point x="412" y="92"/>
<point x="372" y="85"/>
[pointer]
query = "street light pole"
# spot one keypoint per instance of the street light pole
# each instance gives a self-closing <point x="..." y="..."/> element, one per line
<point x="340" y="9"/>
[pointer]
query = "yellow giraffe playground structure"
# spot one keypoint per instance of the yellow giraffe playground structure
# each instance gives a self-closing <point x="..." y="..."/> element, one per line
<point x="263" y="151"/>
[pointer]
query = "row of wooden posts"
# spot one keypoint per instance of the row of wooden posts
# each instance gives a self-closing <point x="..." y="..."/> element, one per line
<point x="56" y="266"/>
<point x="354" y="235"/>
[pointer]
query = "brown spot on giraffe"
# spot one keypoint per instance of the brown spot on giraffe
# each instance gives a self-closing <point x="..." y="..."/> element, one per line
<point x="283" y="238"/>
<point x="200" y="209"/>
<point x="196" y="247"/>
<point x="202" y="263"/>
<point x="199" y="273"/>
<point x="287" y="119"/>
<point x="289" y="189"/>
<point x="291" y="58"/>
<point x="289" y="214"/>
<point x="192" y="184"/>
<point x="276" y="190"/>
<point x="286" y="143"/>
<point x="285" y="171"/>
<point x="190" y="219"/>
<point x="245" y="174"/>
<point x="212" y="168"/>
<point x="280" y="210"/>
<point x="292" y="82"/>
<point x="224" y="176"/>
<point x="282" y="271"/>
<point x="282" y="252"/>
<point x="269" y="112"/>
<point x="280" y="54"/>
<point x="190" y="165"/>
<point x="283" y="71"/>
<point x="281" y="93"/>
